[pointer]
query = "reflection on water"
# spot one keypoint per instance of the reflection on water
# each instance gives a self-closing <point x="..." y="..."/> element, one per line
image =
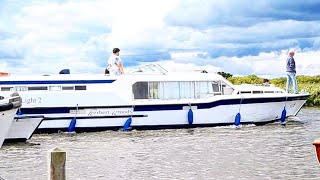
<point x="250" y="152"/>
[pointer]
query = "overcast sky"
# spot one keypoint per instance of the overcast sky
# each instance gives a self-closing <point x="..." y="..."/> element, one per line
<point x="240" y="37"/>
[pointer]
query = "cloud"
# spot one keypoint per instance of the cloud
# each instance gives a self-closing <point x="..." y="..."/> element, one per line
<point x="82" y="31"/>
<point x="262" y="37"/>
<point x="43" y="37"/>
<point x="203" y="14"/>
<point x="232" y="28"/>
<point x="269" y="65"/>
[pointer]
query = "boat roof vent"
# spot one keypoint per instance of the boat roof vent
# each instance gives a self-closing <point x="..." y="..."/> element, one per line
<point x="201" y="71"/>
<point x="65" y="71"/>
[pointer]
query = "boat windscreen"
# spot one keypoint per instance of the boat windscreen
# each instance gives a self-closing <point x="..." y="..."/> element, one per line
<point x="150" y="68"/>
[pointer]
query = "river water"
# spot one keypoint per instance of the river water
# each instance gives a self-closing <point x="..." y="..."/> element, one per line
<point x="250" y="152"/>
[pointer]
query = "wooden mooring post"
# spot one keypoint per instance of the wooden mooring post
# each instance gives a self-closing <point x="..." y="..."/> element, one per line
<point x="57" y="164"/>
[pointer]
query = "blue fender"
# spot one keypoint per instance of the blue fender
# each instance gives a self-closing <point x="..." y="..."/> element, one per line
<point x="190" y="116"/>
<point x="72" y="125"/>
<point x="237" y="119"/>
<point x="127" y="124"/>
<point x="283" y="115"/>
<point x="19" y="113"/>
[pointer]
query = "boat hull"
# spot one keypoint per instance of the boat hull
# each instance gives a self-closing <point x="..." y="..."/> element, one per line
<point x="23" y="127"/>
<point x="169" y="116"/>
<point x="6" y="118"/>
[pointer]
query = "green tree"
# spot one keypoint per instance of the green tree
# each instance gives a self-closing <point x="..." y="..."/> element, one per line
<point x="225" y="75"/>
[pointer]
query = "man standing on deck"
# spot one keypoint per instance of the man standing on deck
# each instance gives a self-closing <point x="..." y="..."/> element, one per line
<point x="291" y="73"/>
<point x="114" y="63"/>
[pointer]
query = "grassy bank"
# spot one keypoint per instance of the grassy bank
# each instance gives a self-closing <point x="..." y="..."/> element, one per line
<point x="310" y="83"/>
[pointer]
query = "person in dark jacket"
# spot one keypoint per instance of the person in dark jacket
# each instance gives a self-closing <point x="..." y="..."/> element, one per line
<point x="291" y="73"/>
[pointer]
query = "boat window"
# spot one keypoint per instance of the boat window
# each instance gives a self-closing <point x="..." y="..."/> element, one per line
<point x="187" y="90"/>
<point x="204" y="89"/>
<point x="169" y="90"/>
<point x="54" y="88"/>
<point x="179" y="89"/>
<point x="20" y="88"/>
<point x="6" y="88"/>
<point x="37" y="88"/>
<point x="164" y="90"/>
<point x="140" y="90"/>
<point x="269" y="92"/>
<point x="67" y="87"/>
<point x="257" y="92"/>
<point x="154" y="90"/>
<point x="226" y="89"/>
<point x="216" y="86"/>
<point x="80" y="87"/>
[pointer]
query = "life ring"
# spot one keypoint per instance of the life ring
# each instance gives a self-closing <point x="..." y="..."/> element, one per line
<point x="4" y="74"/>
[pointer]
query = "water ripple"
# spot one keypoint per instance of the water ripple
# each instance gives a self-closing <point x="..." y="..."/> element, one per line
<point x="250" y="152"/>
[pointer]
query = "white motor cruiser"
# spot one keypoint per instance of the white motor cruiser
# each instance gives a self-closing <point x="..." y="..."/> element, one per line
<point x="149" y="97"/>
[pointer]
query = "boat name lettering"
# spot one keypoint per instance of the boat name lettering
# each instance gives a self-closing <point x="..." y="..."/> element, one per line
<point x="109" y="112"/>
<point x="33" y="100"/>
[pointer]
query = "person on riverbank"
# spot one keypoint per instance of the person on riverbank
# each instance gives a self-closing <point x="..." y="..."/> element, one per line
<point x="114" y="63"/>
<point x="291" y="73"/>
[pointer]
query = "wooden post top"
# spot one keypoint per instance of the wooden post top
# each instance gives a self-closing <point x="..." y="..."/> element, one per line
<point x="57" y="164"/>
<point x="56" y="150"/>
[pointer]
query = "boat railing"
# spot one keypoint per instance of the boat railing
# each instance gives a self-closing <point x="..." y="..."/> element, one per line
<point x="150" y="68"/>
<point x="265" y="85"/>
